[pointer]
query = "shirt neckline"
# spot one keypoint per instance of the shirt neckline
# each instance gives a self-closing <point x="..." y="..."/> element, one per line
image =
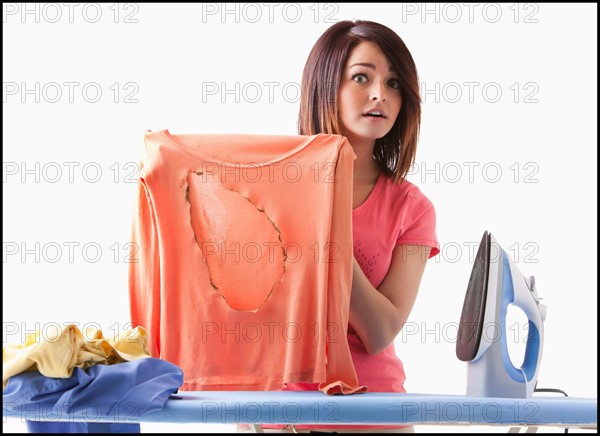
<point x="172" y="139"/>
<point x="372" y="196"/>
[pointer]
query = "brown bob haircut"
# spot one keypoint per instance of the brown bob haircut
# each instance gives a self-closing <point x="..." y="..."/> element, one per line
<point x="319" y="113"/>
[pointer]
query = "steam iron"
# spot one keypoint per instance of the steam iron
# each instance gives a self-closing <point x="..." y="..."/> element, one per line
<point x="495" y="283"/>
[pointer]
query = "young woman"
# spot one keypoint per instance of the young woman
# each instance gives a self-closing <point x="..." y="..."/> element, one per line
<point x="360" y="81"/>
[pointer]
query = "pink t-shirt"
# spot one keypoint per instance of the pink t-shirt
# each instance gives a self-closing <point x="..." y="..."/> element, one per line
<point x="393" y="214"/>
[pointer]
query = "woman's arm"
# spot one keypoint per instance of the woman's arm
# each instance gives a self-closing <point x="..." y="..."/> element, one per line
<point x="378" y="315"/>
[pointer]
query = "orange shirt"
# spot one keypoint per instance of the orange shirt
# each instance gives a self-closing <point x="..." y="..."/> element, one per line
<point x="242" y="259"/>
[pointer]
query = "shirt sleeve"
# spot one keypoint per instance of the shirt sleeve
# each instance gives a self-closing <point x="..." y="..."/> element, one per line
<point x="422" y="227"/>
<point x="144" y="268"/>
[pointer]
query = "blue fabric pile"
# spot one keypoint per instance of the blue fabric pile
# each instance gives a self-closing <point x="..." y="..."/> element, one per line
<point x="95" y="400"/>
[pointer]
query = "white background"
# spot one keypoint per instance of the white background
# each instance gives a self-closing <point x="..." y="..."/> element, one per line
<point x="521" y="164"/>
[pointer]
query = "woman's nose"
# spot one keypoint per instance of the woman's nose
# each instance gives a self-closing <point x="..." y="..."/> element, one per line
<point x="378" y="91"/>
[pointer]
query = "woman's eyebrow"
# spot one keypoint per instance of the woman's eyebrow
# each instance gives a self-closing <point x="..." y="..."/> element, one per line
<point x="363" y="65"/>
<point x="371" y="66"/>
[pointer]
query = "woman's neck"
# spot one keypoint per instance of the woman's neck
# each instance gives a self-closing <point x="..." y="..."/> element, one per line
<point x="366" y="169"/>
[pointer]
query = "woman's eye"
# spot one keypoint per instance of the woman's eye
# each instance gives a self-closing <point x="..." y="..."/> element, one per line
<point x="359" y="78"/>
<point x="394" y="83"/>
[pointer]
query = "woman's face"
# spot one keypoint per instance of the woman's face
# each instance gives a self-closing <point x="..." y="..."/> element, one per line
<point x="369" y="95"/>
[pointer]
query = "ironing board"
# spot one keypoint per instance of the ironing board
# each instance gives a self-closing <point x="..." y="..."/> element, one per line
<point x="228" y="407"/>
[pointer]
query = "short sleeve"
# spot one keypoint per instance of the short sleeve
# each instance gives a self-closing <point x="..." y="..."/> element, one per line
<point x="422" y="227"/>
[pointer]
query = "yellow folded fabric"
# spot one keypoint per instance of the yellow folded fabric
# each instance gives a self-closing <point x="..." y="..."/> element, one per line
<point x="55" y="354"/>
